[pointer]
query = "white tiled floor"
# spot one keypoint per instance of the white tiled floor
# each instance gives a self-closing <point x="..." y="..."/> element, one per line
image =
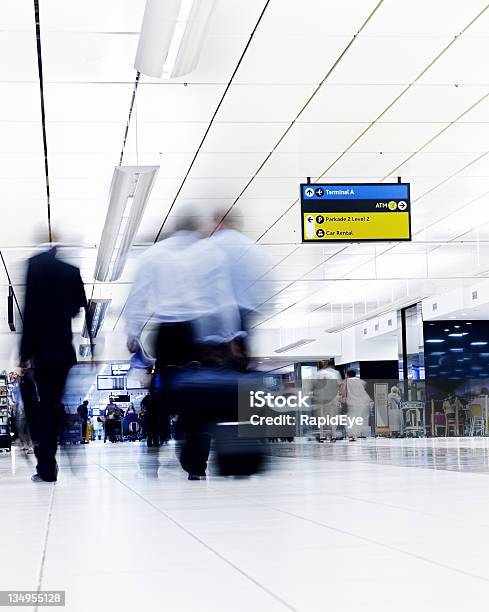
<point x="376" y="525"/>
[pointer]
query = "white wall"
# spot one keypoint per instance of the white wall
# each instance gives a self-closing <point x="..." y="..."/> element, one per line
<point x="345" y="346"/>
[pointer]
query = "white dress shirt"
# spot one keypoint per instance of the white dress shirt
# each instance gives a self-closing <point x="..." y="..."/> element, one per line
<point x="247" y="263"/>
<point x="184" y="278"/>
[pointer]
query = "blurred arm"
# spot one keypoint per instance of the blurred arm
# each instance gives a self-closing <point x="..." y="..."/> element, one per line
<point x="136" y="312"/>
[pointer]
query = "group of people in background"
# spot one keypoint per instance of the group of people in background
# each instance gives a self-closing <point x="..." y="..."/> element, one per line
<point x="333" y="396"/>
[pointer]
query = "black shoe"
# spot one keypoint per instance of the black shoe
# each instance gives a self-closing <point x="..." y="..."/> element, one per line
<point x="37" y="478"/>
<point x="196" y="477"/>
<point x="333" y="440"/>
<point x="321" y="440"/>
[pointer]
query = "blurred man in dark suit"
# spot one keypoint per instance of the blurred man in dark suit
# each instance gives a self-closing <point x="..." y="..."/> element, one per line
<point x="54" y="295"/>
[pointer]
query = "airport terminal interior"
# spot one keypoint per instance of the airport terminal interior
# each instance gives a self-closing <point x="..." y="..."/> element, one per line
<point x="244" y="305"/>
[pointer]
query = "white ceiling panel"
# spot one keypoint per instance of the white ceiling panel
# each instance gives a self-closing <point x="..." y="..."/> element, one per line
<point x="84" y="138"/>
<point x="477" y="168"/>
<point x="269" y="207"/>
<point x="78" y="221"/>
<point x="273" y="188"/>
<point x="91" y="16"/>
<point x="20" y="138"/>
<point x="367" y="164"/>
<point x="21" y="165"/>
<point x="397" y="137"/>
<point x="21" y="233"/>
<point x="20" y="102"/>
<point x="100" y="102"/>
<point x="18" y="50"/>
<point x="226" y="165"/>
<point x="461" y="64"/>
<point x="22" y="188"/>
<point x="82" y="165"/>
<point x="165" y="137"/>
<point x="462" y="137"/>
<point x="436" y="164"/>
<point x="89" y="57"/>
<point x="213" y="187"/>
<point x="318" y="137"/>
<point x="290" y="59"/>
<point x="435" y="103"/>
<point x="224" y="21"/>
<point x="387" y="60"/>
<point x="243" y="137"/>
<point x="175" y="102"/>
<point x="17" y="15"/>
<point x="479" y="114"/>
<point x="421" y="18"/>
<point x="263" y="102"/>
<point x="344" y="103"/>
<point x="283" y="16"/>
<point x="89" y="188"/>
<point x="300" y="165"/>
<point x="165" y="188"/>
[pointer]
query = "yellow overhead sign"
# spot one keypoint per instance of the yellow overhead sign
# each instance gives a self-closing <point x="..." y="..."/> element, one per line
<point x="357" y="226"/>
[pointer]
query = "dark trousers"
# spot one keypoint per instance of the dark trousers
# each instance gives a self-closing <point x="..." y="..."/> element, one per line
<point x="175" y="346"/>
<point x="50" y="380"/>
<point x="84" y="429"/>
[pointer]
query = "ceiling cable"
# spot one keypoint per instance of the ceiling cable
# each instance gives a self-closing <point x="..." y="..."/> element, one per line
<point x="128" y="123"/>
<point x="43" y="115"/>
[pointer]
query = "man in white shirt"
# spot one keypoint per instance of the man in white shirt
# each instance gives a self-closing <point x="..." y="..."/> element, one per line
<point x="325" y="394"/>
<point x="184" y="284"/>
<point x="247" y="261"/>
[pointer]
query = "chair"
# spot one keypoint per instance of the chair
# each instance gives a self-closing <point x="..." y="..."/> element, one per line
<point x="440" y="421"/>
<point x="476" y="420"/>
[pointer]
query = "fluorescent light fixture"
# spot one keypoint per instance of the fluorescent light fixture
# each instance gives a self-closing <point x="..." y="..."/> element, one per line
<point x="97" y="310"/>
<point x="455" y="335"/>
<point x="129" y="193"/>
<point x="434" y="341"/>
<point x="456" y="350"/>
<point x="289" y="347"/>
<point x="478" y="343"/>
<point x="172" y="36"/>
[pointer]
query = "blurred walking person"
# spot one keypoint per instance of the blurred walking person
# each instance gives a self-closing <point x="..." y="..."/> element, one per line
<point x="353" y="394"/>
<point x="325" y="395"/>
<point x="82" y="412"/>
<point x="183" y="284"/>
<point x="54" y="295"/>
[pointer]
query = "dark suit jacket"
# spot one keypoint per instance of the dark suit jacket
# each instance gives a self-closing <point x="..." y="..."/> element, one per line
<point x="54" y="295"/>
